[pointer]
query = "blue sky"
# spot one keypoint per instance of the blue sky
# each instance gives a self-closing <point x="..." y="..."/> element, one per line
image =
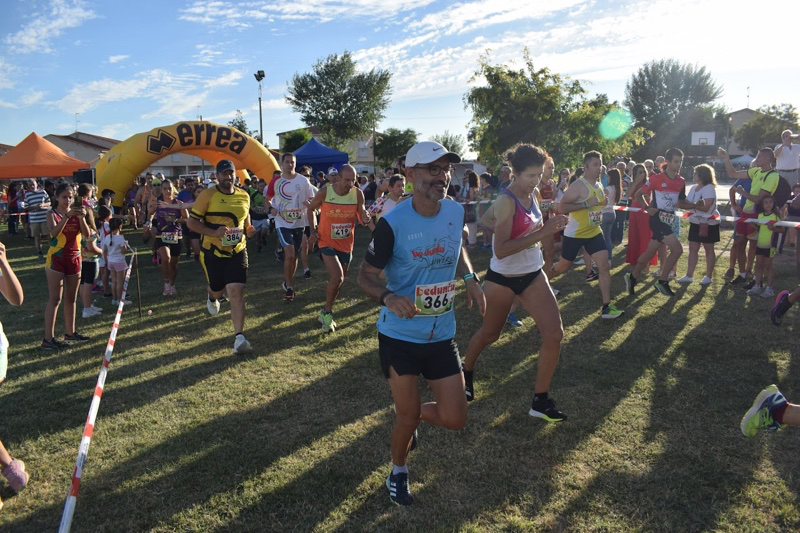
<point x="127" y="67"/>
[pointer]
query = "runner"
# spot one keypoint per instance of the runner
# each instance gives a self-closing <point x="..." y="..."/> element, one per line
<point x="341" y="206"/>
<point x="258" y="214"/>
<point x="287" y="196"/>
<point x="63" y="266"/>
<point x="770" y="412"/>
<point x="783" y="302"/>
<point x="168" y="236"/>
<point x="418" y="247"/>
<point x="583" y="201"/>
<point x="515" y="272"/>
<point x="220" y="214"/>
<point x="669" y="193"/>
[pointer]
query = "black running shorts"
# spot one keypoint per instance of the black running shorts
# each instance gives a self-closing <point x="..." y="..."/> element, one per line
<point x="435" y="360"/>
<point x="221" y="271"/>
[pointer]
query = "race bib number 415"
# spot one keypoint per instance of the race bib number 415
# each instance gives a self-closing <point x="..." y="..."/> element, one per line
<point x="436" y="298"/>
<point x="232" y="237"/>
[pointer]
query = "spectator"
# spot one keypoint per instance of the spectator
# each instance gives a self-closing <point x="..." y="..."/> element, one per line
<point x="639" y="225"/>
<point x="37" y="203"/>
<point x="703" y="223"/>
<point x="613" y="192"/>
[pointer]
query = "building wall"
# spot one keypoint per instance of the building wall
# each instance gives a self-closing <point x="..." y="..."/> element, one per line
<point x="737" y="120"/>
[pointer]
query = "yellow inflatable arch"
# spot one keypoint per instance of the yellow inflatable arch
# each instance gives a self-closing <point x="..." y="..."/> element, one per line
<point x="120" y="166"/>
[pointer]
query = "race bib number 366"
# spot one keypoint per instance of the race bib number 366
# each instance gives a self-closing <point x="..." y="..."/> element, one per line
<point x="436" y="298"/>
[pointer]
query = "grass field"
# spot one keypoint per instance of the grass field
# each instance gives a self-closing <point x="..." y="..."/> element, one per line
<point x="295" y="436"/>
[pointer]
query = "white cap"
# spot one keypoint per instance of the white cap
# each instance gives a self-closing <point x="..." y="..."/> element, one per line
<point x="428" y="152"/>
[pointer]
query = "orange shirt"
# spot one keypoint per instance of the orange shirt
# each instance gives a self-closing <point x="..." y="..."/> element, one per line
<point x="337" y="220"/>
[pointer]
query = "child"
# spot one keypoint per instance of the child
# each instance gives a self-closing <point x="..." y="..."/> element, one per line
<point x="114" y="254"/>
<point x="765" y="248"/>
<point x="90" y="251"/>
<point x="12" y="469"/>
<point x="103" y="231"/>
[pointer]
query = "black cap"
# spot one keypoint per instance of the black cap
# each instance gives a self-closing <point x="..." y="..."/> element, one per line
<point x="225" y="164"/>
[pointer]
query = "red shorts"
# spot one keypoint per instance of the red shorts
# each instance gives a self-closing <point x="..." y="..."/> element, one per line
<point x="745" y="229"/>
<point x="69" y="266"/>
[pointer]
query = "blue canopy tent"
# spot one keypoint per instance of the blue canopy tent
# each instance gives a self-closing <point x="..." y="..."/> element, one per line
<point x="319" y="157"/>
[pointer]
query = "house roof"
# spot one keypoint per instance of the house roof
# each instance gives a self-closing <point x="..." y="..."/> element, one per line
<point x="313" y="130"/>
<point x="88" y="139"/>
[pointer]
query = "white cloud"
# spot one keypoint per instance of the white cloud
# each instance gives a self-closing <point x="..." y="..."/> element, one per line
<point x="7" y="105"/>
<point x="7" y="74"/>
<point x="33" y="97"/>
<point x="38" y="34"/>
<point x="111" y="130"/>
<point x="117" y="59"/>
<point x="177" y="95"/>
<point x="229" y="14"/>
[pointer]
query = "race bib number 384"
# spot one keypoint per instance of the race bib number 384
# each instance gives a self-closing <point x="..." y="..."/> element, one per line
<point x="232" y="237"/>
<point x="436" y="298"/>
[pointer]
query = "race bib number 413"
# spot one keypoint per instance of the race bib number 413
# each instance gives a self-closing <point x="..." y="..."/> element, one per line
<point x="666" y="217"/>
<point x="595" y="218"/>
<point x="436" y="298"/>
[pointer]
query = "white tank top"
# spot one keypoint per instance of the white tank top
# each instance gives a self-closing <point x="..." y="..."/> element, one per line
<point x="530" y="259"/>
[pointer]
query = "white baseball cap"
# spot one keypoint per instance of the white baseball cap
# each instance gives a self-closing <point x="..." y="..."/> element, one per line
<point x="428" y="152"/>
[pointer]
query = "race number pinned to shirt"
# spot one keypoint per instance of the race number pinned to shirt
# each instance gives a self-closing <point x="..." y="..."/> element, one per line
<point x="259" y="210"/>
<point x="666" y="217"/>
<point x="293" y="215"/>
<point x="232" y="237"/>
<point x="341" y="231"/>
<point x="546" y="205"/>
<point x="595" y="218"/>
<point x="170" y="238"/>
<point x="436" y="298"/>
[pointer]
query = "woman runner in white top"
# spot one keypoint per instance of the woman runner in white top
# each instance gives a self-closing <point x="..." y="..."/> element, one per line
<point x="516" y="271"/>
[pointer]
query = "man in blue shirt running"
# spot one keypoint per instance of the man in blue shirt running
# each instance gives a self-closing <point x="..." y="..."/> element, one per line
<point x="418" y="247"/>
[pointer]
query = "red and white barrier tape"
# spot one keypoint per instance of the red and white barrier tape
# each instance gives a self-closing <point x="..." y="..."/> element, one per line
<point x="83" y="449"/>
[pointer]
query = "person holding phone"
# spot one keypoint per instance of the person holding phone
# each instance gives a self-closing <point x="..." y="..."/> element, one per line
<point x="67" y="225"/>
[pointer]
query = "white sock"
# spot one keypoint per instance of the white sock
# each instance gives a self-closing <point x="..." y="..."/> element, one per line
<point x="399" y="469"/>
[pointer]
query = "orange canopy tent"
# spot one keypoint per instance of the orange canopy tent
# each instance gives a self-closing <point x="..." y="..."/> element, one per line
<point x="37" y="157"/>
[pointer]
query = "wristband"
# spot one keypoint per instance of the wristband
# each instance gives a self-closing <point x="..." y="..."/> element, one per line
<point x="383" y="297"/>
<point x="470" y="276"/>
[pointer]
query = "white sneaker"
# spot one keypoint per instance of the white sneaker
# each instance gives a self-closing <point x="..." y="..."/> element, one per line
<point x="114" y="302"/>
<point x="706" y="281"/>
<point x="213" y="307"/>
<point x="685" y="279"/>
<point x="768" y="293"/>
<point x="579" y="262"/>
<point x="241" y="345"/>
<point x="98" y="309"/>
<point x="755" y="290"/>
<point x="89" y="312"/>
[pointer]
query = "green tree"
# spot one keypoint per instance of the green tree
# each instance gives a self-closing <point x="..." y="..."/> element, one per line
<point x="393" y="143"/>
<point x="661" y="90"/>
<point x="765" y="128"/>
<point x="540" y="107"/>
<point x="451" y="141"/>
<point x="343" y="103"/>
<point x="295" y="139"/>
<point x="238" y="122"/>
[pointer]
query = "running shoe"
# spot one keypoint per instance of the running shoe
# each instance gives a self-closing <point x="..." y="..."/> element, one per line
<point x="749" y="285"/>
<point x="611" y="311"/>
<point x="728" y="274"/>
<point x="579" y="262"/>
<point x="469" y="389"/>
<point x="307" y="273"/>
<point x="213" y="307"/>
<point x="782" y="304"/>
<point x="289" y="296"/>
<point x="759" y="416"/>
<point x="166" y="290"/>
<point x="546" y="410"/>
<point x="75" y="337"/>
<point x="664" y="288"/>
<point x="279" y="255"/>
<point x="15" y="475"/>
<point x="172" y="290"/>
<point x="686" y="279"/>
<point x="706" y="281"/>
<point x="512" y="320"/>
<point x="328" y="324"/>
<point x="755" y="290"/>
<point x="53" y="344"/>
<point x="630" y="283"/>
<point x="241" y="345"/>
<point x="739" y="280"/>
<point x="593" y="275"/>
<point x="398" y="489"/>
<point x="768" y="293"/>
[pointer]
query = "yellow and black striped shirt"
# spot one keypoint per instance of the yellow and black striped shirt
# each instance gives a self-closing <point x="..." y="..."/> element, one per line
<point x="214" y="209"/>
